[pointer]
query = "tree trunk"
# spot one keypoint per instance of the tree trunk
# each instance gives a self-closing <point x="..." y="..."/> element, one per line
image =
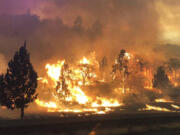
<point x="22" y="112"/>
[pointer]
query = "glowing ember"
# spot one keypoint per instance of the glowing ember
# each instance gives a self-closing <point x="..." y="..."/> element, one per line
<point x="156" y="108"/>
<point x="46" y="104"/>
<point x="162" y="100"/>
<point x="106" y="103"/>
<point x="3" y="107"/>
<point x="53" y="107"/>
<point x="175" y="106"/>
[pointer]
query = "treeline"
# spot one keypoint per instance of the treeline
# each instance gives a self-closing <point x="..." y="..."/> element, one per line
<point x="18" y="85"/>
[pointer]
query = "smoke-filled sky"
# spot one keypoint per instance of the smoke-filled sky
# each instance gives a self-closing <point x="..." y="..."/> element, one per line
<point x="56" y="29"/>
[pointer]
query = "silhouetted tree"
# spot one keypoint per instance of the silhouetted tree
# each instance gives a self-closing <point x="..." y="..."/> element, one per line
<point x="21" y="80"/>
<point x="103" y="63"/>
<point x="86" y="72"/>
<point x="161" y="79"/>
<point x="121" y="65"/>
<point x="4" y="101"/>
<point x="96" y="29"/>
<point x="121" y="62"/>
<point x="173" y="67"/>
<point x="174" y="63"/>
<point x="78" y="24"/>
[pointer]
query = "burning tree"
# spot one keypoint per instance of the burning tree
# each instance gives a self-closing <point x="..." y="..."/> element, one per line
<point x="20" y="80"/>
<point x="121" y="65"/>
<point x="62" y="89"/>
<point x="103" y="65"/>
<point x="173" y="68"/>
<point x="86" y="72"/>
<point x="87" y="68"/>
<point x="174" y="63"/>
<point x="161" y="79"/>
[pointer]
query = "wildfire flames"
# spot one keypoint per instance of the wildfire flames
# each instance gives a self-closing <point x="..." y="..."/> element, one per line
<point x="174" y="77"/>
<point x="71" y="86"/>
<point x="149" y="107"/>
<point x="67" y="87"/>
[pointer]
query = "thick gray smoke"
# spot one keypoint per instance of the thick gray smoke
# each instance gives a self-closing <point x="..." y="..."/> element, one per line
<point x="70" y="29"/>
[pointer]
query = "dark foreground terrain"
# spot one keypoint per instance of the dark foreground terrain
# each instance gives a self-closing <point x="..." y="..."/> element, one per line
<point x="141" y="123"/>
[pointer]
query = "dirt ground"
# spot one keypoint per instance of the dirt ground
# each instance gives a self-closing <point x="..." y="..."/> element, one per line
<point x="142" y="123"/>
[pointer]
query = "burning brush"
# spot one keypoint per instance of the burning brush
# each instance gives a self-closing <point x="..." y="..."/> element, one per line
<point x="83" y="86"/>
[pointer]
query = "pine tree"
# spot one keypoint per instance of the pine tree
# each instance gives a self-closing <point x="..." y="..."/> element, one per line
<point x="4" y="101"/>
<point x="21" y="80"/>
<point x="161" y="79"/>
